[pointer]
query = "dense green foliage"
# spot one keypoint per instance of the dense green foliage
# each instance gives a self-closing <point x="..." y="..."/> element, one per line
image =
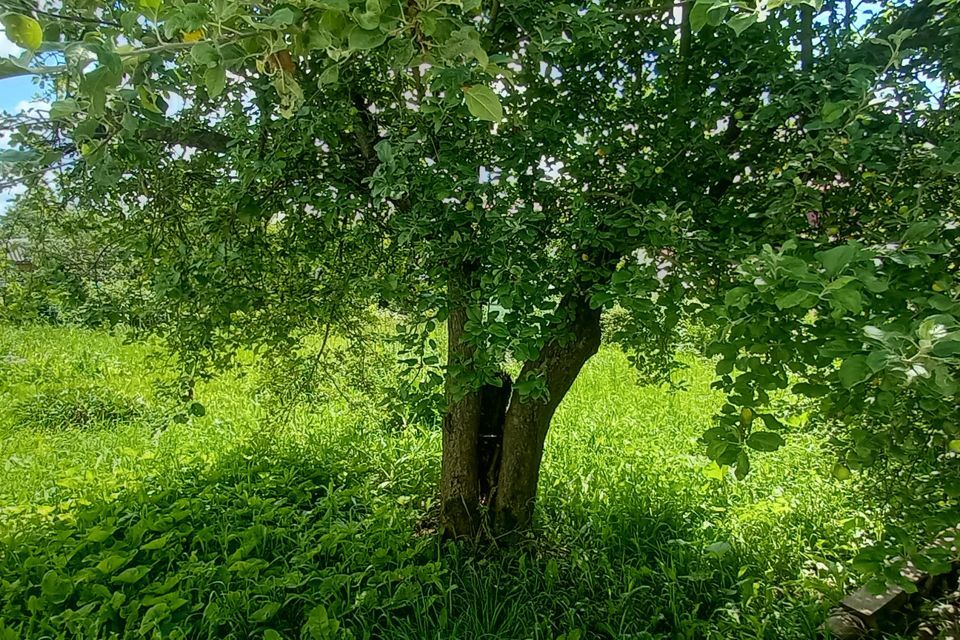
<point x="232" y="524"/>
<point x="76" y="273"/>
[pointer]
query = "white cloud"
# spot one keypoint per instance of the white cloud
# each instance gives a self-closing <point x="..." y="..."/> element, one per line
<point x="35" y="107"/>
<point x="8" y="194"/>
<point x="15" y="190"/>
<point x="7" y="48"/>
<point x="176" y="104"/>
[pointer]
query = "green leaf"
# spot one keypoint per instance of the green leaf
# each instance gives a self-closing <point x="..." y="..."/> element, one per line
<point x="55" y="587"/>
<point x="599" y="299"/>
<point x="742" y="21"/>
<point x="153" y="617"/>
<point x="946" y="348"/>
<point x="798" y="298"/>
<point x="330" y="75"/>
<point x="936" y="327"/>
<point x="743" y="465"/>
<point x="920" y="230"/>
<point x="698" y="15"/>
<point x="717" y="13"/>
<point x="718" y="548"/>
<point x="385" y="155"/>
<point x="954" y="446"/>
<point x="265" y="612"/>
<point x="483" y="103"/>
<point x="216" y="80"/>
<point x="23" y="31"/>
<point x="204" y="53"/>
<point x="796" y="269"/>
<point x="319" y="625"/>
<point x="839" y="283"/>
<point x="64" y="109"/>
<point x="367" y="20"/>
<point x="624" y="275"/>
<point x="111" y="563"/>
<point x="713" y="471"/>
<point x="834" y="260"/>
<point x="96" y="84"/>
<point x="831" y="111"/>
<point x="131" y="575"/>
<point x="148" y="100"/>
<point x="877" y="360"/>
<point x="724" y="366"/>
<point x="765" y="441"/>
<point x="248" y="568"/>
<point x="811" y="390"/>
<point x="10" y="69"/>
<point x="99" y="534"/>
<point x="853" y="371"/>
<point x="848" y="299"/>
<point x="360" y="39"/>
<point x="840" y="472"/>
<point x="282" y="17"/>
<point x="875" y="333"/>
<point x="737" y="297"/>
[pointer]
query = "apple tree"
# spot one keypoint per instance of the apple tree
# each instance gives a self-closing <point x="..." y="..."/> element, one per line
<point x="784" y="172"/>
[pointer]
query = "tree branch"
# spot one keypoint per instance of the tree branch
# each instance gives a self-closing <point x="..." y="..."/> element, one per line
<point x="200" y="138"/>
<point x="80" y="19"/>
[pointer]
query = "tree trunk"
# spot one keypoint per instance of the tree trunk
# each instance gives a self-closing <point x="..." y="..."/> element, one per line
<point x="492" y="451"/>
<point x="460" y="487"/>
<point x="806" y="38"/>
<point x="527" y="419"/>
<point x="459" y="474"/>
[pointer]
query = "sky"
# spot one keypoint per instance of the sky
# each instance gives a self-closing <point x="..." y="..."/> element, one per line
<point x="16" y="94"/>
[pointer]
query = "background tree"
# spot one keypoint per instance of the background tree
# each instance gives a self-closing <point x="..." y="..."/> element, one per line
<point x="786" y="173"/>
<point x="76" y="271"/>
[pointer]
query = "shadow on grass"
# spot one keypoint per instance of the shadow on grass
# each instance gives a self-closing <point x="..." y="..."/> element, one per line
<point x="270" y="544"/>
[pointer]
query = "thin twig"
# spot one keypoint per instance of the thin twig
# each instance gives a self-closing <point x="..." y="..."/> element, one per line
<point x="80" y="19"/>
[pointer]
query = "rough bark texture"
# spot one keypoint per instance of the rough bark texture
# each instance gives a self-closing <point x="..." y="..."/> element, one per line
<point x="459" y="474"/>
<point x="528" y="420"/>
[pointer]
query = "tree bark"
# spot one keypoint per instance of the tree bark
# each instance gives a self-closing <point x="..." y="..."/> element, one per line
<point x="459" y="474"/>
<point x="806" y="38"/>
<point x="528" y="419"/>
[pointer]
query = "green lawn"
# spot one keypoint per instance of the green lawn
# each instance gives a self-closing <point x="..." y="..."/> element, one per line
<point x="247" y="522"/>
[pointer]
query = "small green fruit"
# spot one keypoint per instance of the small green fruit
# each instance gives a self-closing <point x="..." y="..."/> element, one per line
<point x="23" y="31"/>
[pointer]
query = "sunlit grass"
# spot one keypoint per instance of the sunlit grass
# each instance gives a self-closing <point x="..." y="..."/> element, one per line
<point x="638" y="536"/>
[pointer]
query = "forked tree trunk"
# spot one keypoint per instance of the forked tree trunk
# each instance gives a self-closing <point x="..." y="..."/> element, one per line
<point x="528" y="420"/>
<point x="468" y="463"/>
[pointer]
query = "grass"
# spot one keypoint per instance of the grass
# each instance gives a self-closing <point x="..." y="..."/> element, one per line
<point x="117" y="522"/>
